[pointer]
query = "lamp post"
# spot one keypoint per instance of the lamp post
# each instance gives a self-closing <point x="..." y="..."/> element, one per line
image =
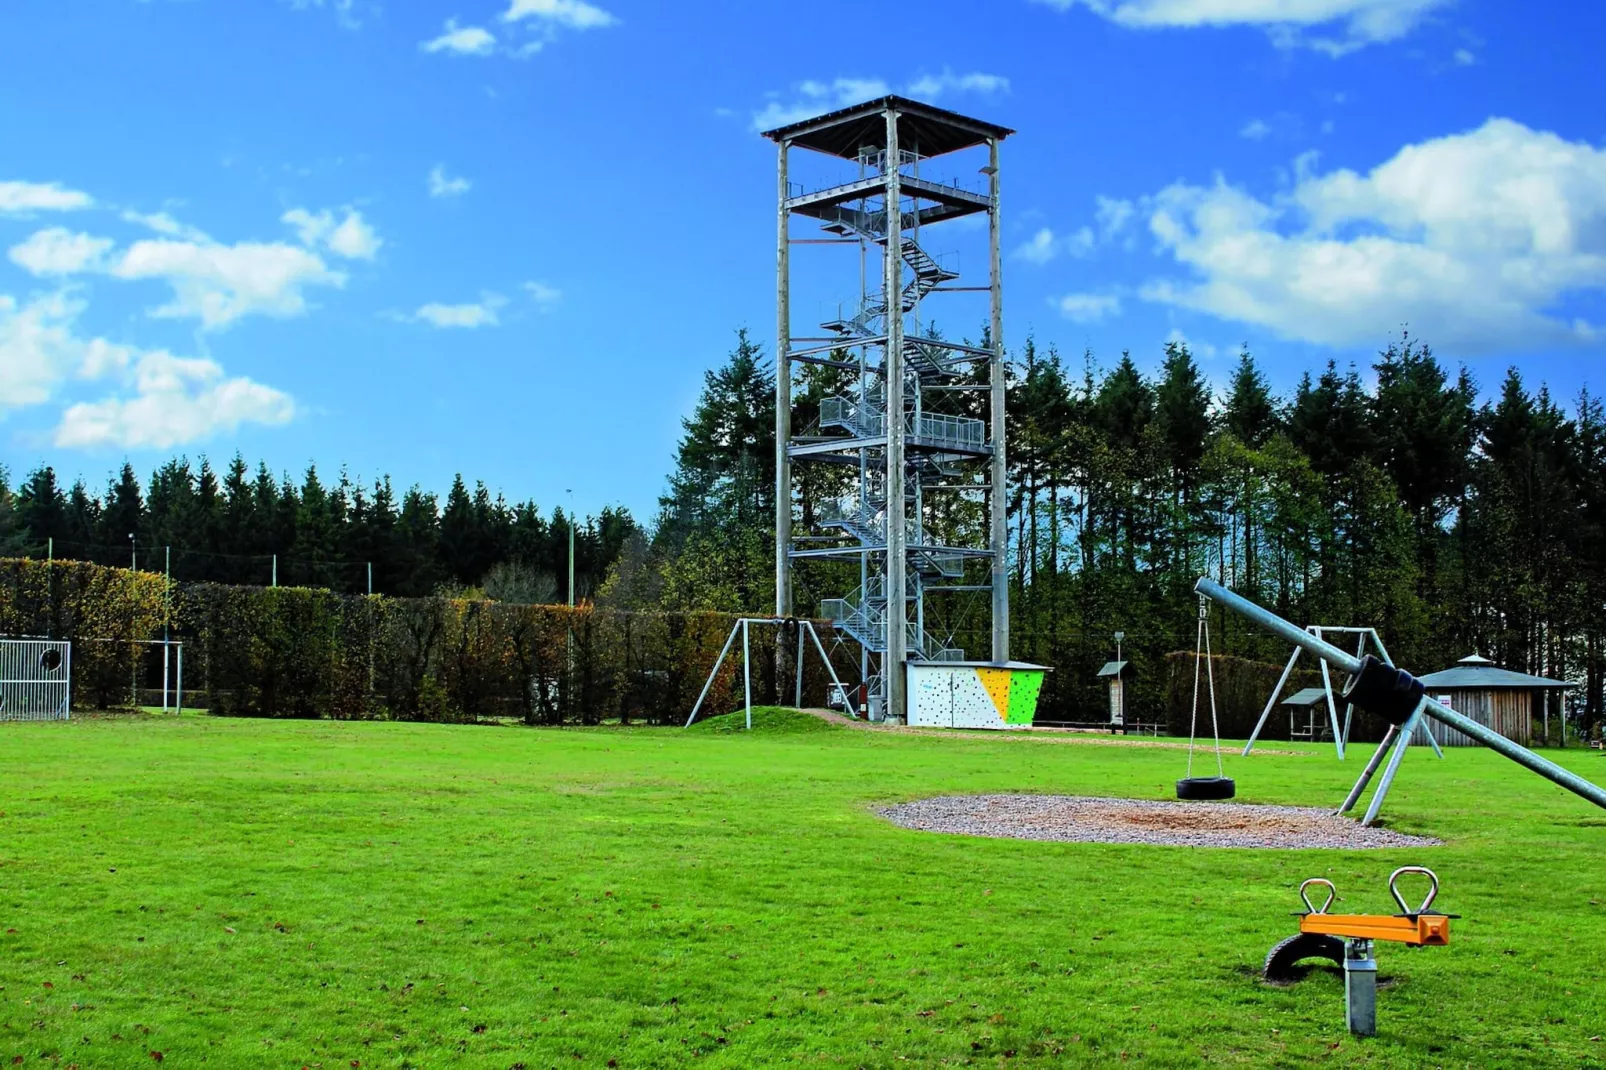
<point x="1118" y="637"/>
<point x="570" y="493"/>
<point x="133" y="554"/>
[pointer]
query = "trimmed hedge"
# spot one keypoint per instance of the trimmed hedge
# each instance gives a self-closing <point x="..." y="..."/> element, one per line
<point x="299" y="652"/>
<point x="100" y="609"/>
<point x="1242" y="687"/>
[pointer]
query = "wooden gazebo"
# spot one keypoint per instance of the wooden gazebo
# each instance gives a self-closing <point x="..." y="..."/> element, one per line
<point x="1476" y="687"/>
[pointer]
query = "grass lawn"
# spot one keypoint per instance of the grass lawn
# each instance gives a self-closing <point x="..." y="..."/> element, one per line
<point x="286" y="894"/>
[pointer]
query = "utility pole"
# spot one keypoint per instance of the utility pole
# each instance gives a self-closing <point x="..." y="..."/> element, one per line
<point x="275" y="570"/>
<point x="133" y="666"/>
<point x="167" y="616"/>
<point x="571" y="547"/>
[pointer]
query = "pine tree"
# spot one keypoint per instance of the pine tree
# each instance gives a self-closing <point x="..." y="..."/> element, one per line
<point x="41" y="510"/>
<point x="724" y="478"/>
<point x="1330" y="421"/>
<point x="122" y="520"/>
<point x="457" y="535"/>
<point x="1250" y="414"/>
<point x="11" y="536"/>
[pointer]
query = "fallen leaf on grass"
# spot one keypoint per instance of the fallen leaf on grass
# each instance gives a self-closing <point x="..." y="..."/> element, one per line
<point x="157" y="1056"/>
<point x="228" y="928"/>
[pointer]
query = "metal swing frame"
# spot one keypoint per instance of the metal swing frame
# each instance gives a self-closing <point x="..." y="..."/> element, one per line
<point x="743" y="626"/>
<point x="1321" y="632"/>
<point x="1401" y="687"/>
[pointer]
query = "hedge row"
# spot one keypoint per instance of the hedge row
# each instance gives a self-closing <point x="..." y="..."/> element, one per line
<point x="297" y="652"/>
<point x="1242" y="688"/>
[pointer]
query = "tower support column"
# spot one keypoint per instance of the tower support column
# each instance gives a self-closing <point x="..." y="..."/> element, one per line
<point x="897" y="652"/>
<point x="783" y="404"/>
<point x="998" y="517"/>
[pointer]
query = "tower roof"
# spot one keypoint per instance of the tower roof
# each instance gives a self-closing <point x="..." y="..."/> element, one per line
<point x="922" y="128"/>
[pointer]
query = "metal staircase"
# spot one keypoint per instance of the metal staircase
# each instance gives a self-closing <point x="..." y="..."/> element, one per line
<point x="932" y="430"/>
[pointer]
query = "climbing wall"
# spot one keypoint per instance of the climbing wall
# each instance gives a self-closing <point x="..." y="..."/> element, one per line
<point x="946" y="695"/>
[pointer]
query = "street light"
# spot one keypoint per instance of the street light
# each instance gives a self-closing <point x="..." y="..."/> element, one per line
<point x="133" y="554"/>
<point x="1118" y="637"/>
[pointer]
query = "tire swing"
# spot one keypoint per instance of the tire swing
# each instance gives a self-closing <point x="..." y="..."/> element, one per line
<point x="1203" y="788"/>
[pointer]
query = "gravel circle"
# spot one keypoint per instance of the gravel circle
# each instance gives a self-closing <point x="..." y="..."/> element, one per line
<point x="1085" y="819"/>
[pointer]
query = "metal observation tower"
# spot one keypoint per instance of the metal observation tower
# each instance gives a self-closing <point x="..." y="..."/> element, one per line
<point x="893" y="426"/>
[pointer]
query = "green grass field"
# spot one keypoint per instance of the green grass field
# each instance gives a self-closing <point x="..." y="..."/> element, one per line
<point x="286" y="894"/>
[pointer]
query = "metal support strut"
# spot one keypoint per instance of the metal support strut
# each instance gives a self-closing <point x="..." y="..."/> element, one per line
<point x="741" y="627"/>
<point x="1397" y="695"/>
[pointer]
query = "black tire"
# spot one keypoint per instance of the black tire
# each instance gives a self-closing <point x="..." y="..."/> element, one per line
<point x="1204" y="788"/>
<point x="1282" y="961"/>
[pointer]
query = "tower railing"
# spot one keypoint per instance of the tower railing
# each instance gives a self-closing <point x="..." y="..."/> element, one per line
<point x="865" y="420"/>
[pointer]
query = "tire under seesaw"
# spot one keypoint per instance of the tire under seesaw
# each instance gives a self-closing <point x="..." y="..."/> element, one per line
<point x="1206" y="788"/>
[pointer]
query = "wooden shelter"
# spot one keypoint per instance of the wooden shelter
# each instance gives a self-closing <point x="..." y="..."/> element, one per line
<point x="1112" y="671"/>
<point x="1476" y="687"/>
<point x="1307" y="710"/>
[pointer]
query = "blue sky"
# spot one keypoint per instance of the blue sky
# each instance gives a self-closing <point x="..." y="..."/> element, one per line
<point x="506" y="237"/>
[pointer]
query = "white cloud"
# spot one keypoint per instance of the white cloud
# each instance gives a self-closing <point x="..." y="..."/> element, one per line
<point x="311" y="229"/>
<point x="174" y="400"/>
<point x="1113" y="214"/>
<point x="162" y="223"/>
<point x="1255" y="129"/>
<point x="17" y="198"/>
<point x="443" y="185"/>
<point x="481" y="313"/>
<point x="352" y="238"/>
<point x="569" y="14"/>
<point x="1045" y="245"/>
<point x="166" y="401"/>
<point x="218" y="284"/>
<point x="1476" y="240"/>
<point x="1464" y="58"/>
<point x="462" y="40"/>
<point x="1358" y="22"/>
<point x="37" y="347"/>
<point x="1040" y="249"/>
<point x="345" y="10"/>
<point x="930" y="87"/>
<point x="543" y="295"/>
<point x="811" y="98"/>
<point x="58" y="251"/>
<point x="1087" y="307"/>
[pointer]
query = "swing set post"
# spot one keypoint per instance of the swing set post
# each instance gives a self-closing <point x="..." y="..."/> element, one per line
<point x="743" y="628"/>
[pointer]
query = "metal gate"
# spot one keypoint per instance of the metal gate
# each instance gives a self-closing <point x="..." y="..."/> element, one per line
<point x="35" y="679"/>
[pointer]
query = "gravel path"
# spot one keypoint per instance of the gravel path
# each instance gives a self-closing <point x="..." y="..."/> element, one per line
<point x="1084" y="819"/>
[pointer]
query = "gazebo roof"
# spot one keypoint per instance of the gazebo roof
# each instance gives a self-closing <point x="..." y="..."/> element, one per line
<point x="1475" y="672"/>
<point x="1112" y="668"/>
